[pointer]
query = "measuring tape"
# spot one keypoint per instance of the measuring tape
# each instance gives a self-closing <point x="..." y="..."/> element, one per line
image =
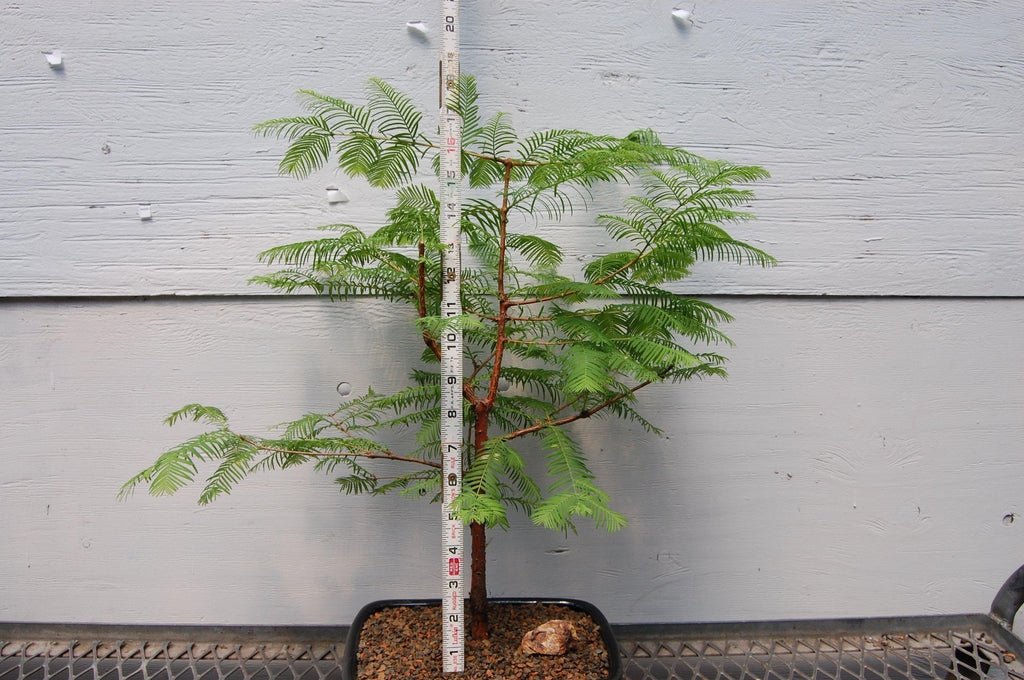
<point x="453" y="562"/>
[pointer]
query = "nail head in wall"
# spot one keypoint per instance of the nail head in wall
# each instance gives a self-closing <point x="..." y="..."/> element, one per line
<point x="336" y="195"/>
<point x="683" y="16"/>
<point x="344" y="389"/>
<point x="417" y="27"/>
<point x="145" y="212"/>
<point x="54" y="58"/>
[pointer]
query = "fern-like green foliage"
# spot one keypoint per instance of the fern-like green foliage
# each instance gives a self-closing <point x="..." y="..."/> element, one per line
<point x="565" y="344"/>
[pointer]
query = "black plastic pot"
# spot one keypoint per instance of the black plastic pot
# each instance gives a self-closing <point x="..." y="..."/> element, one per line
<point x="349" y="659"/>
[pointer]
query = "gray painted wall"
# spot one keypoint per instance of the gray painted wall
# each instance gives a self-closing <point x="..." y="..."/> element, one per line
<point x="863" y="459"/>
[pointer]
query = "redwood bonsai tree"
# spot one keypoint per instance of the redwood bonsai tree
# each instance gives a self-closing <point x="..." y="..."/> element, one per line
<point x="546" y="345"/>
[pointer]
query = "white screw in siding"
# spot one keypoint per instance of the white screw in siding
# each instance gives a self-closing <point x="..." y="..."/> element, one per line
<point x="336" y="195"/>
<point x="683" y="16"/>
<point x="55" y="59"/>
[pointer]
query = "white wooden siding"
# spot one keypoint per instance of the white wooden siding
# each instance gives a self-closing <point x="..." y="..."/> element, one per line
<point x="864" y="458"/>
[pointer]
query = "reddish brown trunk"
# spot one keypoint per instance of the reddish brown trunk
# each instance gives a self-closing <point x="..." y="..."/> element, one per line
<point x="479" y="629"/>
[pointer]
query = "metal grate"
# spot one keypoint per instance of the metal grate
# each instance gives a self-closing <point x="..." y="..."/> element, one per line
<point x="946" y="655"/>
<point x="135" y="660"/>
<point x="971" y="648"/>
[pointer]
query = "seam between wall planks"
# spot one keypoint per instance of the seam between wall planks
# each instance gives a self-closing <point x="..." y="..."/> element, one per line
<point x="59" y="299"/>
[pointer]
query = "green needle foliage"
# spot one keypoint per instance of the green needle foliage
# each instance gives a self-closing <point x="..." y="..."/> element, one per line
<point x="568" y="345"/>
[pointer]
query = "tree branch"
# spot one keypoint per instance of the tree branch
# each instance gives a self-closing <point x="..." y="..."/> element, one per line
<point x="640" y="254"/>
<point x="499" y="346"/>
<point x="421" y="298"/>
<point x="550" y="343"/>
<point x="424" y="145"/>
<point x="643" y="252"/>
<point x="533" y="301"/>
<point x="320" y="454"/>
<point x="585" y="413"/>
<point x="526" y="319"/>
<point x="480" y="366"/>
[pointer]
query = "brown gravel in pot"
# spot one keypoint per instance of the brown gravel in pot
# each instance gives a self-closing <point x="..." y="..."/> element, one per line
<point x="404" y="643"/>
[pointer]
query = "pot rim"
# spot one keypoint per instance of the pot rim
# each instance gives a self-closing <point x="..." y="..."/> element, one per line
<point x="349" y="659"/>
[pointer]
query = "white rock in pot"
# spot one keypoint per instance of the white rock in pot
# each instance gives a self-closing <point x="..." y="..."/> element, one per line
<point x="551" y="638"/>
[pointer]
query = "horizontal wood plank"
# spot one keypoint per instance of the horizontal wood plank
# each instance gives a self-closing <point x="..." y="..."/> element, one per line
<point x="862" y="460"/>
<point x="894" y="135"/>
